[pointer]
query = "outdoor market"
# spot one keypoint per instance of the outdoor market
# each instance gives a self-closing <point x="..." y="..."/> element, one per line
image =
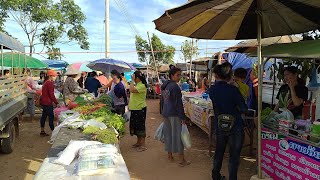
<point x="250" y="110"/>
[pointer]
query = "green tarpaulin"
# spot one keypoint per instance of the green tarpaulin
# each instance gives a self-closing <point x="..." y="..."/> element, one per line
<point x="32" y="62"/>
<point x="302" y="49"/>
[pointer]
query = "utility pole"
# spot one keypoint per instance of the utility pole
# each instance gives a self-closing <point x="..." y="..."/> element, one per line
<point x="107" y="28"/>
<point x="153" y="57"/>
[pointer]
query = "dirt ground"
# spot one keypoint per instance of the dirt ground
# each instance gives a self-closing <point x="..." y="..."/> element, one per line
<point x="31" y="149"/>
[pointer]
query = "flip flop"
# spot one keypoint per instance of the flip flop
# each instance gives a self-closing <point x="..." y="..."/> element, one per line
<point x="43" y="134"/>
<point x="184" y="163"/>
<point x="141" y="149"/>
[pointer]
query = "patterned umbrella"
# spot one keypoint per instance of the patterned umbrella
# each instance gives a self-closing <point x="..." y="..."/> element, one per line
<point x="242" y="19"/>
<point x="81" y="66"/>
<point x="107" y="65"/>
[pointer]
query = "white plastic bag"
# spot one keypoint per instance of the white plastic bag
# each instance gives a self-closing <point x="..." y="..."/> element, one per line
<point x="185" y="137"/>
<point x="71" y="151"/>
<point x="159" y="135"/>
<point x="127" y="116"/>
<point x="95" y="124"/>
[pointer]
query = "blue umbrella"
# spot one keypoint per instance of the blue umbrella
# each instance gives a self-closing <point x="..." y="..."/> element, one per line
<point x="56" y="64"/>
<point x="136" y="65"/>
<point x="107" y="65"/>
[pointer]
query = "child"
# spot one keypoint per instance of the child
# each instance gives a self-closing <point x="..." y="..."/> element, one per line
<point x="240" y="76"/>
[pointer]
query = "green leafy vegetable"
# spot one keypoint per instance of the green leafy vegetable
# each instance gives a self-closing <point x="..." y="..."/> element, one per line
<point x="107" y="136"/>
<point x="91" y="130"/>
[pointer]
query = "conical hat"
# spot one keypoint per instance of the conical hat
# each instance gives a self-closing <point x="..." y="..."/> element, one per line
<point x="72" y="71"/>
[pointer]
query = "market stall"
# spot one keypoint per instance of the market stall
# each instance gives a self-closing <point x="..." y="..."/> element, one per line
<point x="291" y="146"/>
<point x="86" y="142"/>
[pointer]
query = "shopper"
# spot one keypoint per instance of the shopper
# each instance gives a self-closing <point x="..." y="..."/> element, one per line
<point x="119" y="94"/>
<point x="296" y="90"/>
<point x="31" y="91"/>
<point x="82" y="79"/>
<point x="71" y="88"/>
<point x="228" y="105"/>
<point x="172" y="110"/>
<point x="240" y="75"/>
<point x="47" y="101"/>
<point x="138" y="108"/>
<point x="124" y="81"/>
<point x="92" y="84"/>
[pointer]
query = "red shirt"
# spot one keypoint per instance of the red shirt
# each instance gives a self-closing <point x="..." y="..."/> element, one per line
<point x="48" y="97"/>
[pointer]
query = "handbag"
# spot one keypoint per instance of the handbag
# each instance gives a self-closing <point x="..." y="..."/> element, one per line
<point x="225" y="121"/>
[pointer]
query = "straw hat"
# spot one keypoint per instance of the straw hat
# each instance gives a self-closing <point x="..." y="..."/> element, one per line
<point x="72" y="71"/>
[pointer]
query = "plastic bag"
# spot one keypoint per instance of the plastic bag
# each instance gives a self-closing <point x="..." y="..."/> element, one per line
<point x="127" y="116"/>
<point x="185" y="137"/>
<point x="95" y="124"/>
<point x="98" y="149"/>
<point x="159" y="135"/>
<point x="71" y="151"/>
<point x="286" y="114"/>
<point x="58" y="111"/>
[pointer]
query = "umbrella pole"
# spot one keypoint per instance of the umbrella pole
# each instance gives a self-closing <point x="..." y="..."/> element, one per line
<point x="260" y="77"/>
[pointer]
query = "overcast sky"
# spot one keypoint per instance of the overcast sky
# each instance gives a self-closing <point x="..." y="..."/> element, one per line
<point x="122" y="37"/>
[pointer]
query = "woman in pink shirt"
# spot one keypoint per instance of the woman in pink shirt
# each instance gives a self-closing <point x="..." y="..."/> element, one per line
<point x="31" y="91"/>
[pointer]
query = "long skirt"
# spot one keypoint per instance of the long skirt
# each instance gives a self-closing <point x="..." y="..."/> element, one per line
<point x="172" y="135"/>
<point x="138" y="122"/>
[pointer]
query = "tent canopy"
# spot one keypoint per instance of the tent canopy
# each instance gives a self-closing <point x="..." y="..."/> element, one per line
<point x="302" y="49"/>
<point x="10" y="43"/>
<point x="32" y="62"/>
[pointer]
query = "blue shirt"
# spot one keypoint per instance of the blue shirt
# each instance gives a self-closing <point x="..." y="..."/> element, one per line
<point x="92" y="85"/>
<point x="227" y="99"/>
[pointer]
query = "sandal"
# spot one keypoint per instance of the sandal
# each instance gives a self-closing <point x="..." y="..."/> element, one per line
<point x="43" y="134"/>
<point x="184" y="163"/>
<point x="141" y="149"/>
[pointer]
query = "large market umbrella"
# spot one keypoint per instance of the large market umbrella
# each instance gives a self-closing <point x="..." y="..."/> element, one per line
<point x="251" y="45"/>
<point x="56" y="64"/>
<point x="107" y="65"/>
<point x="242" y="19"/>
<point x="81" y="66"/>
<point x="17" y="60"/>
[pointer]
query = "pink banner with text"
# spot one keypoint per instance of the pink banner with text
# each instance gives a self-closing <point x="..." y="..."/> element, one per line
<point x="288" y="159"/>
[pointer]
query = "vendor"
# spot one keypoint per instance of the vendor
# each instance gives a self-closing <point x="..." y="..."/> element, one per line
<point x="71" y="88"/>
<point x="296" y="90"/>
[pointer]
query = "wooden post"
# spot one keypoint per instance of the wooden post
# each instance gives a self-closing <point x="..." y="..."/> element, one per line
<point x="154" y="59"/>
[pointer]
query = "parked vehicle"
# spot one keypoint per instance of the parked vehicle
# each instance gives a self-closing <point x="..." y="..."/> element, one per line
<point x="13" y="99"/>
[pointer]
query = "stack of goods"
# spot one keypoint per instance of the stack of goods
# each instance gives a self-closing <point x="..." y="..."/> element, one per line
<point x="97" y="159"/>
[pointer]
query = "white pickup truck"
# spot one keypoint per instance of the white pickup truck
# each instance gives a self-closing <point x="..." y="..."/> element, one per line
<point x="13" y="99"/>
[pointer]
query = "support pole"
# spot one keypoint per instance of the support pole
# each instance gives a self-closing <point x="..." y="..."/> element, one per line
<point x="260" y="78"/>
<point x="107" y="28"/>
<point x="20" y="72"/>
<point x="153" y="57"/>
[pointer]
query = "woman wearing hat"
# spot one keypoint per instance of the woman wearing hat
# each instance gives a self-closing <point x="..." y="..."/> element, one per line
<point x="47" y="101"/>
<point x="71" y="88"/>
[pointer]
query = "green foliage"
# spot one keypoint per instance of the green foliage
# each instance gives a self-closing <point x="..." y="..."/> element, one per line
<point x="54" y="53"/>
<point x="117" y="122"/>
<point x="48" y="23"/>
<point x="265" y="113"/>
<point x="91" y="130"/>
<point x="164" y="54"/>
<point x="106" y="99"/>
<point x="188" y="50"/>
<point x="142" y="45"/>
<point x="107" y="136"/>
<point x="304" y="68"/>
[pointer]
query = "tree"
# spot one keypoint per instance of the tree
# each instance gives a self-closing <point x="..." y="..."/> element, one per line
<point x="163" y="54"/>
<point x="47" y="23"/>
<point x="142" y="46"/>
<point x="54" y="54"/>
<point x="189" y="50"/>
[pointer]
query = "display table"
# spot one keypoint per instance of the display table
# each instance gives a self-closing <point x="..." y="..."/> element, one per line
<point x="285" y="157"/>
<point x="49" y="170"/>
